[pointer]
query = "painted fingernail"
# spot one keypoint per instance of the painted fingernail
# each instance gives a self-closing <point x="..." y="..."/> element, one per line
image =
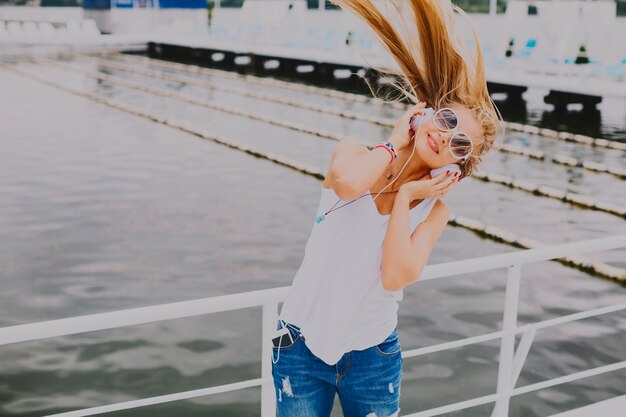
<point x="456" y="173"/>
<point x="447" y="172"/>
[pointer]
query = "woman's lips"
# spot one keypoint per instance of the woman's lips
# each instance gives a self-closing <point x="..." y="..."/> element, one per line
<point x="432" y="143"/>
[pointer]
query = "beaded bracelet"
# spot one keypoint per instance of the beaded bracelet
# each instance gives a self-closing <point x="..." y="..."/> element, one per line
<point x="388" y="150"/>
<point x="389" y="147"/>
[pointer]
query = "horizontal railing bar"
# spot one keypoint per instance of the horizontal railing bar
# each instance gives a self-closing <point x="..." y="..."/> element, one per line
<point x="569" y="378"/>
<point x="522" y="390"/>
<point x="571" y="317"/>
<point x="257" y="382"/>
<point x="599" y="408"/>
<point x="162" y="399"/>
<point x="140" y="315"/>
<point x="456" y="406"/>
<point x="503" y="260"/>
<point x="162" y="312"/>
<point x="452" y="345"/>
<point x="497" y="335"/>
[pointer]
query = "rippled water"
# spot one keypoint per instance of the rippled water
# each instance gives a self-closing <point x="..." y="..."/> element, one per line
<point x="102" y="210"/>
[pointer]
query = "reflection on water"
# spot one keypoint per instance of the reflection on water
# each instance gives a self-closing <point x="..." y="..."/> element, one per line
<point x="584" y="122"/>
<point x="101" y="210"/>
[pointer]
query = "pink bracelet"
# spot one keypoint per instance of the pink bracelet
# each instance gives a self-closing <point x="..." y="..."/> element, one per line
<point x="393" y="156"/>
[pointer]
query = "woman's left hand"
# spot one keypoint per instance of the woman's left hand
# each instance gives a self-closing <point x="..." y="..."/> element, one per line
<point x="420" y="190"/>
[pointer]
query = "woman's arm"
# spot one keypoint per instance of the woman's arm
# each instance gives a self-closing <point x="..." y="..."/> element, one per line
<point x="353" y="168"/>
<point x="404" y="256"/>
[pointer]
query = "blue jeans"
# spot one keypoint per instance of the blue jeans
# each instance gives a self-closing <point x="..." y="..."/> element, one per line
<point x="367" y="381"/>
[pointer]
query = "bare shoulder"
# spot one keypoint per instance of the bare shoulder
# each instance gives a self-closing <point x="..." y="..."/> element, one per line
<point x="349" y="146"/>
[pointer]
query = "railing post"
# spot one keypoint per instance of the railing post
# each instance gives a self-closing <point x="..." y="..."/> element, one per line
<point x="268" y="395"/>
<point x="507" y="345"/>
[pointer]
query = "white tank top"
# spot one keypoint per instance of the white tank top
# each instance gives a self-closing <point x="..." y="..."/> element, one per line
<point x="337" y="298"/>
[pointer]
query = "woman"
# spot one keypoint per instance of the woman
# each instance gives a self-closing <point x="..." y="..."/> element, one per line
<point x="337" y="328"/>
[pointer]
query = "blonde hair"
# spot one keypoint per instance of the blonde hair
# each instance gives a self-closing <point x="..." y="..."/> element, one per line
<point x="434" y="64"/>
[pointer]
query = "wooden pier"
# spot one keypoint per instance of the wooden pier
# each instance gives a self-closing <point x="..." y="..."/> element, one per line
<point x="324" y="68"/>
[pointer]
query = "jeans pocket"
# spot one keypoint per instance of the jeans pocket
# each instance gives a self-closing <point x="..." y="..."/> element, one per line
<point x="295" y="335"/>
<point x="390" y="346"/>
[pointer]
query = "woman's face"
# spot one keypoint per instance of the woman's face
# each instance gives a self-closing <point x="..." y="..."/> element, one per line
<point x="432" y="143"/>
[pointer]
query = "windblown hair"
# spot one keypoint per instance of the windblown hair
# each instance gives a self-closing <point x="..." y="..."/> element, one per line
<point x="434" y="64"/>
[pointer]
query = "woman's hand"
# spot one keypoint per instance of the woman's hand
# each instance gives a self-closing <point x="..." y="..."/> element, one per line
<point x="402" y="132"/>
<point x="427" y="187"/>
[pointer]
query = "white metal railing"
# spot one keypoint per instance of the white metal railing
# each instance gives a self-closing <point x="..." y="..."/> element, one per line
<point x="510" y="361"/>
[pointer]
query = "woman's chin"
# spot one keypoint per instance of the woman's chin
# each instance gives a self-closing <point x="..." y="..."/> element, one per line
<point x="427" y="156"/>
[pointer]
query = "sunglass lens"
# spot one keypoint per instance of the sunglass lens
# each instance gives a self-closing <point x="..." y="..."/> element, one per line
<point x="445" y="119"/>
<point x="461" y="145"/>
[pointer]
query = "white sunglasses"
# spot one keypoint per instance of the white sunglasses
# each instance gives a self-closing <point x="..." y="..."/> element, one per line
<point x="446" y="120"/>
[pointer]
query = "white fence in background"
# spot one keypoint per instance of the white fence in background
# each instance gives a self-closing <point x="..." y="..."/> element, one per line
<point x="510" y="364"/>
<point x="23" y="23"/>
<point x="29" y="29"/>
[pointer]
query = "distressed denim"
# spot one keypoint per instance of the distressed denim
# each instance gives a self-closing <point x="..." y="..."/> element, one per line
<point x="367" y="381"/>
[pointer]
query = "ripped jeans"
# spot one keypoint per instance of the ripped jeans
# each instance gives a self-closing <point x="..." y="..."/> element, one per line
<point x="367" y="381"/>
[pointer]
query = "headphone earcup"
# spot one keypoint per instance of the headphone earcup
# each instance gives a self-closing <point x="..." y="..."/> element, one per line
<point x="418" y="119"/>
<point x="450" y="167"/>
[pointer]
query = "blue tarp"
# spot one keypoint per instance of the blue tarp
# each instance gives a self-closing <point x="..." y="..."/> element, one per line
<point x="183" y="4"/>
<point x="128" y="4"/>
<point x="96" y="4"/>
